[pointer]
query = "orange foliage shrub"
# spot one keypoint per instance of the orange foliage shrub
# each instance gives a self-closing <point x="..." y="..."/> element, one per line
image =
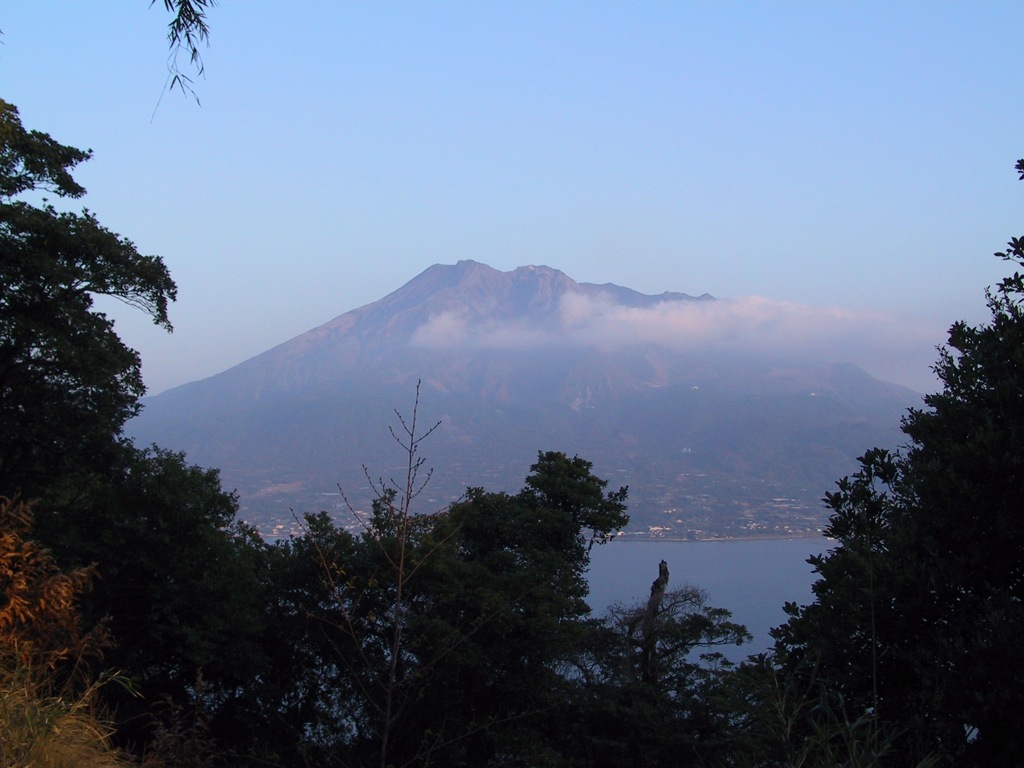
<point x="39" y="620"/>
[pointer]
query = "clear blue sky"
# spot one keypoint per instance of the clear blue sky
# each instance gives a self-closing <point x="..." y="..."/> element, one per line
<point x="855" y="158"/>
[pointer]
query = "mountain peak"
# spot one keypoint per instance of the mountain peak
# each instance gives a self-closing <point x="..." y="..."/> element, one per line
<point x="467" y="273"/>
<point x="466" y="295"/>
<point x="531" y="293"/>
<point x="472" y="277"/>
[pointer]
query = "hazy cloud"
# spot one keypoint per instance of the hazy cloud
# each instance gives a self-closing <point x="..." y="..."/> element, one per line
<point x="890" y="347"/>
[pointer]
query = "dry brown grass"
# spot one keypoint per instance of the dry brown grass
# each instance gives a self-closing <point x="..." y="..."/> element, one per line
<point x="39" y="729"/>
<point x="47" y="712"/>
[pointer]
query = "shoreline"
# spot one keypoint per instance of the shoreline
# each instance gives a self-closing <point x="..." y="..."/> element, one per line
<point x="682" y="540"/>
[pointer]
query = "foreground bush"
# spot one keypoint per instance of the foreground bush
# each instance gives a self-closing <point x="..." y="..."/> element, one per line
<point x="47" y="717"/>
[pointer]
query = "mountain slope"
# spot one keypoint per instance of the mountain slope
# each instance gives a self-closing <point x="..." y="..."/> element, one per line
<point x="515" y="362"/>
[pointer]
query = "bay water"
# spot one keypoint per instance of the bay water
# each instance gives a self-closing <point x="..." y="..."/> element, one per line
<point x="751" y="578"/>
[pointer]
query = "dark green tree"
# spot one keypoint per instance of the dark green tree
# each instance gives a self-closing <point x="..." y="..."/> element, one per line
<point x="445" y="638"/>
<point x="67" y="382"/>
<point x="299" y="705"/>
<point x="919" y="609"/>
<point x="180" y="587"/>
<point x="179" y="578"/>
<point x="648" y="679"/>
<point x="504" y="610"/>
<point x="494" y="612"/>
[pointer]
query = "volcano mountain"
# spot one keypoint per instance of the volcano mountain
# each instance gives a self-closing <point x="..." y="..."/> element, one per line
<point x="711" y="439"/>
